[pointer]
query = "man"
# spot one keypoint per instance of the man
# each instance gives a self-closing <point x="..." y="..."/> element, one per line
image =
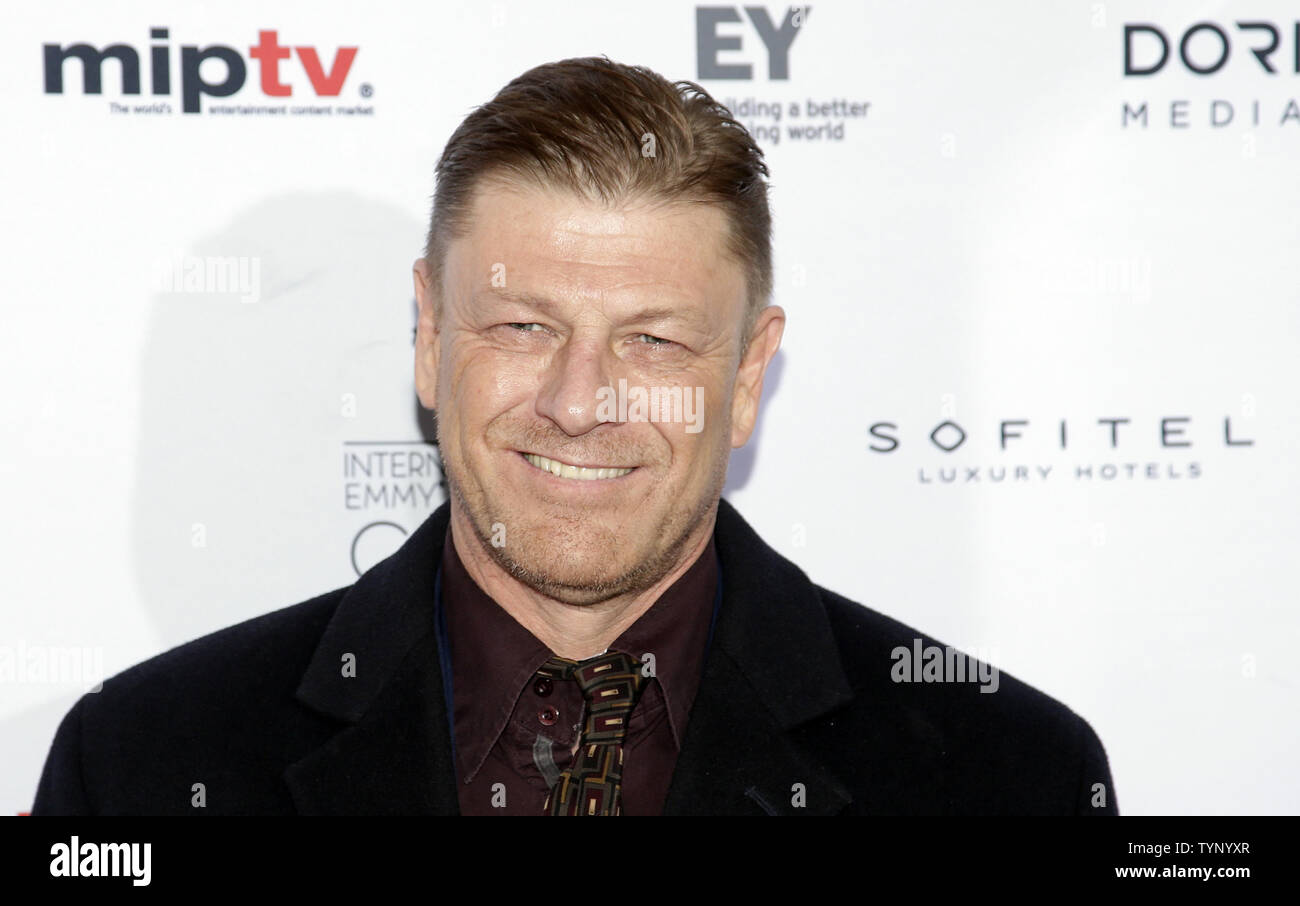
<point x="585" y="627"/>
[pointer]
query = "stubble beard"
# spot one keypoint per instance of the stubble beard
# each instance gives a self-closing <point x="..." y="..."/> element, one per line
<point x="530" y="563"/>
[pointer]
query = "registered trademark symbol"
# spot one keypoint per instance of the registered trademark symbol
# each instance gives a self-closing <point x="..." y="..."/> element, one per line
<point x="366" y="90"/>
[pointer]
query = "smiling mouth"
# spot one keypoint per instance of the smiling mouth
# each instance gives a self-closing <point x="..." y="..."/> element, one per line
<point x="568" y="470"/>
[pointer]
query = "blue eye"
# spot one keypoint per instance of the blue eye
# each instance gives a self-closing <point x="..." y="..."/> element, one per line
<point x="524" y="327"/>
<point x="654" y="341"/>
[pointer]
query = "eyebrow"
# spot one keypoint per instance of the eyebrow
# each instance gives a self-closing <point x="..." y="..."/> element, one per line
<point x="652" y="313"/>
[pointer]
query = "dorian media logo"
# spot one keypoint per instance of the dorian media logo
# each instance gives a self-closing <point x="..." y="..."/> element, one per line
<point x="1255" y="52"/>
<point x="283" y="72"/>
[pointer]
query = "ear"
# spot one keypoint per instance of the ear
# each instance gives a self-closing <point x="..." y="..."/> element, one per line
<point x="426" y="335"/>
<point x="765" y="339"/>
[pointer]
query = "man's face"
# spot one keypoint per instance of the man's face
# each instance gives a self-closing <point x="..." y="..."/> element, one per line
<point x="547" y="299"/>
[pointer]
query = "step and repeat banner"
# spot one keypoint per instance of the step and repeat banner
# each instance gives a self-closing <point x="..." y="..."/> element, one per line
<point x="1036" y="397"/>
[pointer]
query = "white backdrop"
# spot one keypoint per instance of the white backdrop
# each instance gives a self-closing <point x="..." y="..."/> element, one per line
<point x="987" y="240"/>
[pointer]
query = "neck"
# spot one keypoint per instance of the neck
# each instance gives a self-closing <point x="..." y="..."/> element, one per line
<point x="575" y="631"/>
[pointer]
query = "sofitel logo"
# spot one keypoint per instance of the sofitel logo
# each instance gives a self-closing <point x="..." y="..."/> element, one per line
<point x="268" y="53"/>
<point x="1111" y="433"/>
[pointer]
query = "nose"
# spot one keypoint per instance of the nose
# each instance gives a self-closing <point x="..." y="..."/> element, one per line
<point x="570" y="385"/>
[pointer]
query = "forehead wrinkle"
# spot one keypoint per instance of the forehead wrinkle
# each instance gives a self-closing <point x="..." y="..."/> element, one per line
<point x="570" y="222"/>
<point x="569" y="258"/>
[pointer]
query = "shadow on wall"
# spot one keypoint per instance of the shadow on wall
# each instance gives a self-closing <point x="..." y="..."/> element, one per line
<point x="271" y="344"/>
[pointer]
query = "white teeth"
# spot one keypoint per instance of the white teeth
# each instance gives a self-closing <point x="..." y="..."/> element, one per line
<point x="564" y="470"/>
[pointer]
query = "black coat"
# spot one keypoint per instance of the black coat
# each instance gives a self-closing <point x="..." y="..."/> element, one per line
<point x="797" y="689"/>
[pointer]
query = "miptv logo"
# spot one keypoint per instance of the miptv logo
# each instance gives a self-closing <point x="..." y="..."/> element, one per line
<point x="226" y="70"/>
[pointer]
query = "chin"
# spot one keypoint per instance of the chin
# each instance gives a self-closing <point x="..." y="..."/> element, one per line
<point x="578" y="570"/>
<point x="576" y="584"/>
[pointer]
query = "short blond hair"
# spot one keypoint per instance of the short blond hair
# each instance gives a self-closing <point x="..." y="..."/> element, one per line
<point x="611" y="132"/>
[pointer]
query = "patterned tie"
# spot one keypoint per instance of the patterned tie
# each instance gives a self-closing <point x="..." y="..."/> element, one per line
<point x="593" y="782"/>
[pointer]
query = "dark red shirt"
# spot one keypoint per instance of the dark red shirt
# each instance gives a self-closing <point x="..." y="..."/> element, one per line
<point x="515" y="731"/>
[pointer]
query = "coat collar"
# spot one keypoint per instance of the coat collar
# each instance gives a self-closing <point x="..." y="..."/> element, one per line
<point x="773" y="666"/>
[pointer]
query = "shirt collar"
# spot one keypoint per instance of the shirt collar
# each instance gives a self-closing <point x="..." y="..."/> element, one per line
<point x="479" y="632"/>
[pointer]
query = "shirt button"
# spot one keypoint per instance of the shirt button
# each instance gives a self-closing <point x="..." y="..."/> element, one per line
<point x="543" y="686"/>
<point x="548" y="716"/>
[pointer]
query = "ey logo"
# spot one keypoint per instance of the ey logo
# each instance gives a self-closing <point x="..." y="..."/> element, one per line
<point x="710" y="41"/>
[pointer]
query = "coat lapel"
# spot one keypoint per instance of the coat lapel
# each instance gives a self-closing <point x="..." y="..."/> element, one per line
<point x="774" y="666"/>
<point x="393" y="756"/>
